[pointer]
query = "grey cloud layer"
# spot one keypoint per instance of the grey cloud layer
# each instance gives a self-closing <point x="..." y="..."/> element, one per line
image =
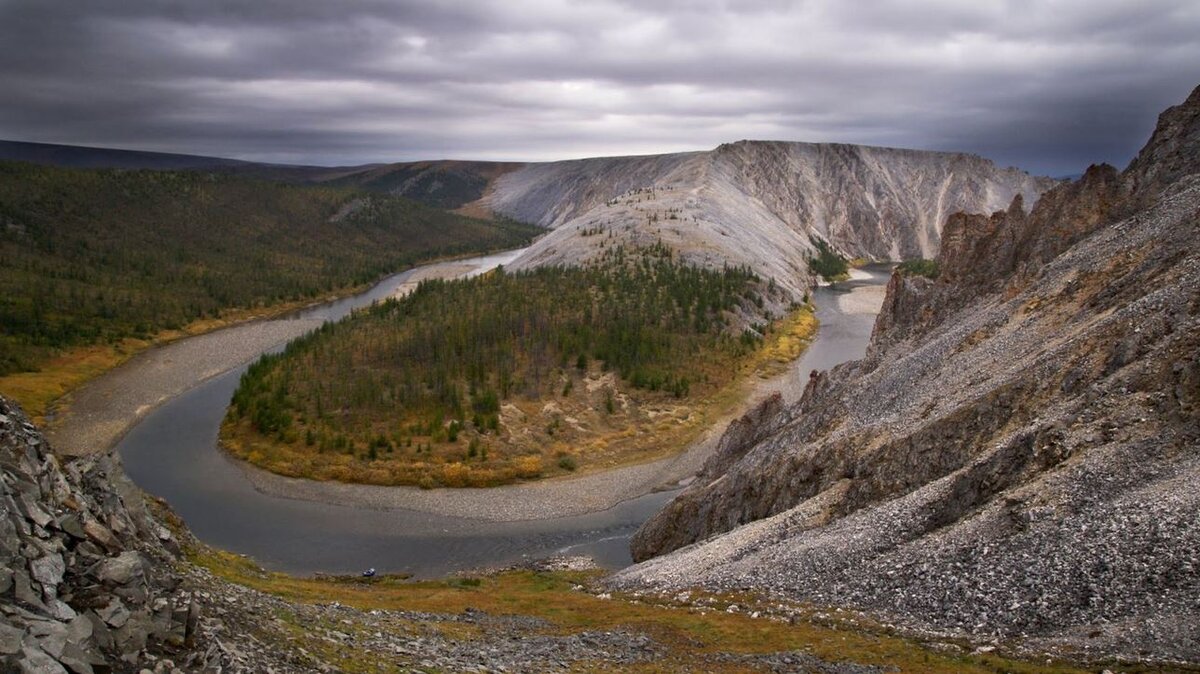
<point x="1049" y="86"/>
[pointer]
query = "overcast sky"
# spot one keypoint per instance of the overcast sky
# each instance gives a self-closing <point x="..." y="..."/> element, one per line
<point x="1047" y="86"/>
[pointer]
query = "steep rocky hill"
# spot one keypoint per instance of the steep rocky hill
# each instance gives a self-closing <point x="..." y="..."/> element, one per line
<point x="88" y="579"/>
<point x="751" y="202"/>
<point x="1018" y="454"/>
<point x="756" y="202"/>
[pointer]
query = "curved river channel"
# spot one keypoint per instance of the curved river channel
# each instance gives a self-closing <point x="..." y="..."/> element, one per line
<point x="173" y="453"/>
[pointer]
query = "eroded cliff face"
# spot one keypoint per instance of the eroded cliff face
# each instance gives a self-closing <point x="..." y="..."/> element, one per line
<point x="1019" y="453"/>
<point x="756" y="203"/>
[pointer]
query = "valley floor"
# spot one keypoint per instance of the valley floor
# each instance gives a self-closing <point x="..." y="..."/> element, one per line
<point x="102" y="411"/>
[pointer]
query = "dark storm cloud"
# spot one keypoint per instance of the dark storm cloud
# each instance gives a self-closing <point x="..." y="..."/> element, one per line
<point x="1049" y="86"/>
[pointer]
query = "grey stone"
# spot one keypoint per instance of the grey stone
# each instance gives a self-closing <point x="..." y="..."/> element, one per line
<point x="10" y="639"/>
<point x="122" y="569"/>
<point x="35" y="661"/>
<point x="70" y="523"/>
<point x="114" y="614"/>
<point x="48" y="570"/>
<point x="132" y="636"/>
<point x="25" y="593"/>
<point x="51" y="636"/>
<point x="76" y="660"/>
<point x="101" y="634"/>
<point x="79" y="629"/>
<point x="29" y="505"/>
<point x="60" y="609"/>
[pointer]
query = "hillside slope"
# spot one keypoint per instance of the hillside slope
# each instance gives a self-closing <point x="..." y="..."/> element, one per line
<point x="93" y="256"/>
<point x="77" y="156"/>
<point x="1017" y="455"/>
<point x="756" y="202"/>
<point x="751" y="202"/>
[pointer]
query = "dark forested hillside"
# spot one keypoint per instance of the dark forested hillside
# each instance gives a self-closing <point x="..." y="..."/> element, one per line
<point x="435" y="368"/>
<point x="444" y="184"/>
<point x="89" y="256"/>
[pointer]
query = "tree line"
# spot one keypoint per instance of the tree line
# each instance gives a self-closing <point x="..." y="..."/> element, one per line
<point x="95" y="256"/>
<point x="441" y="361"/>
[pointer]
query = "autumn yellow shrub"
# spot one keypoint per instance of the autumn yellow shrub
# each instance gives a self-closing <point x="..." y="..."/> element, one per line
<point x="455" y="474"/>
<point x="528" y="466"/>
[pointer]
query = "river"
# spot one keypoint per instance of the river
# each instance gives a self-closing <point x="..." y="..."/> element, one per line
<point x="172" y="452"/>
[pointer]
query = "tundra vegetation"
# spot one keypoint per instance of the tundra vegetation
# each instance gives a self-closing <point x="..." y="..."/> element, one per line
<point x="110" y="259"/>
<point x="511" y="376"/>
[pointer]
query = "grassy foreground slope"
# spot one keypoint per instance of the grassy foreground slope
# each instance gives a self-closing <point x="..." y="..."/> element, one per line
<point x="506" y="376"/>
<point x="687" y="632"/>
<point x="96" y="256"/>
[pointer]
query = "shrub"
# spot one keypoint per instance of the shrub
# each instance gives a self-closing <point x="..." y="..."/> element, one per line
<point x="827" y="263"/>
<point x="528" y="466"/>
<point x="920" y="267"/>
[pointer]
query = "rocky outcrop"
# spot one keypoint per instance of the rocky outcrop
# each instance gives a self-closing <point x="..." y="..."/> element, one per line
<point x="756" y="203"/>
<point x="1016" y="456"/>
<point x="1000" y="253"/>
<point x="659" y="535"/>
<point x="1172" y="154"/>
<point x="87" y="580"/>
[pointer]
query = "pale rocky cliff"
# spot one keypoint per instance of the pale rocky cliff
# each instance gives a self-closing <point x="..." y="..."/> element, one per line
<point x="1019" y="453"/>
<point x="756" y="203"/>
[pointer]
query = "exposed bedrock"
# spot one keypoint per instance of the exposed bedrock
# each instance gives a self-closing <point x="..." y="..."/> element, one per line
<point x="756" y="203"/>
<point x="1019" y="452"/>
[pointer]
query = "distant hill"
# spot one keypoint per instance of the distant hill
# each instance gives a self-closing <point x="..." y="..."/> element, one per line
<point x="442" y="184"/>
<point x="765" y="204"/>
<point x="76" y="156"/>
<point x="94" y="255"/>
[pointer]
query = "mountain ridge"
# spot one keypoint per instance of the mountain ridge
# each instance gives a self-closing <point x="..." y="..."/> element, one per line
<point x="776" y="196"/>
<point x="757" y="203"/>
<point x="1014" y="458"/>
